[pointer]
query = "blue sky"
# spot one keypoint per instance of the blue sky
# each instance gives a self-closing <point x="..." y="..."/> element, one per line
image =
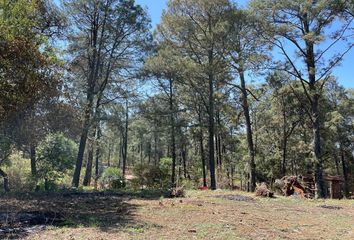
<point x="344" y="72"/>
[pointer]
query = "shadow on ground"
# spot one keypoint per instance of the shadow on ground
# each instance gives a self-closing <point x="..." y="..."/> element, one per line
<point x="24" y="213"/>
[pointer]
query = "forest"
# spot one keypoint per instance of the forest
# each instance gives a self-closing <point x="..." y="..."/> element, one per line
<point x="217" y="96"/>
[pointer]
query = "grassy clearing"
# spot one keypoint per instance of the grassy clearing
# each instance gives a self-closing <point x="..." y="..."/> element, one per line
<point x="201" y="215"/>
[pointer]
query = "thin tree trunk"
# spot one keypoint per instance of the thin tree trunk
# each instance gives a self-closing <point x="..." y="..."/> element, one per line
<point x="201" y="146"/>
<point x="173" y="137"/>
<point x="141" y="151"/>
<point x="252" y="164"/>
<point x="46" y="184"/>
<point x="88" y="173"/>
<point x="202" y="155"/>
<point x="345" y="172"/>
<point x="336" y="161"/>
<point x="211" y="126"/>
<point x="320" y="185"/>
<point x="109" y="154"/>
<point x="184" y="159"/>
<point x="33" y="160"/>
<point x="218" y="141"/>
<point x="91" y="80"/>
<point x="83" y="139"/>
<point x="125" y="140"/>
<point x="155" y="146"/>
<point x="120" y="152"/>
<point x="98" y="151"/>
<point x="150" y="150"/>
<point x="6" y="180"/>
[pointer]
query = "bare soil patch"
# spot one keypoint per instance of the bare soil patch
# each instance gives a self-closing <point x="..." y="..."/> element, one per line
<point x="200" y="215"/>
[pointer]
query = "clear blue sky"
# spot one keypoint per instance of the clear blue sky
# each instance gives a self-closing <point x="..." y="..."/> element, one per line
<point x="344" y="72"/>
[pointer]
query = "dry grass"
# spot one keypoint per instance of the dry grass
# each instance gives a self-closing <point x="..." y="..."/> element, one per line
<point x="201" y="215"/>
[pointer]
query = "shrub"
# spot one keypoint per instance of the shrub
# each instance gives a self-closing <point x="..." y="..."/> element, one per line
<point x="112" y="178"/>
<point x="152" y="176"/>
<point x="56" y="155"/>
<point x="19" y="173"/>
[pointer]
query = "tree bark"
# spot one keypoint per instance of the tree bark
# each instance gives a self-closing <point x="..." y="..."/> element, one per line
<point x="98" y="151"/>
<point x="109" y="154"/>
<point x="252" y="164"/>
<point x="202" y="155"/>
<point x="33" y="160"/>
<point x="184" y="159"/>
<point x="85" y="130"/>
<point x="173" y="137"/>
<point x="320" y="185"/>
<point x="88" y="174"/>
<point x="141" y="151"/>
<point x="6" y="180"/>
<point x="345" y="172"/>
<point x="284" y="145"/>
<point x="95" y="43"/>
<point x="46" y="184"/>
<point x="125" y="140"/>
<point x="201" y="146"/>
<point x="211" y="121"/>
<point x="314" y="97"/>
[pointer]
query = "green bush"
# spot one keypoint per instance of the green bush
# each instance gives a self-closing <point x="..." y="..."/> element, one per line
<point x="56" y="155"/>
<point x="149" y="176"/>
<point x="19" y="173"/>
<point x="112" y="178"/>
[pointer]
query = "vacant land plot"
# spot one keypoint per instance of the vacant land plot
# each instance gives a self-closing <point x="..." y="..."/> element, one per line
<point x="201" y="215"/>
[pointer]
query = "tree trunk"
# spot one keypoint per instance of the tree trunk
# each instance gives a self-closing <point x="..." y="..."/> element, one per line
<point x="6" y="180"/>
<point x="33" y="160"/>
<point x="98" y="151"/>
<point x="150" y="150"/>
<point x="283" y="165"/>
<point x="83" y="139"/>
<point x="218" y="141"/>
<point x="184" y="159"/>
<point x="345" y="172"/>
<point x="109" y="154"/>
<point x="202" y="155"/>
<point x="125" y="140"/>
<point x="320" y="185"/>
<point x="46" y="184"/>
<point x="155" y="145"/>
<point x="173" y="137"/>
<point x="314" y="97"/>
<point x="141" y="151"/>
<point x="284" y="145"/>
<point x="201" y="145"/>
<point x="88" y="174"/>
<point x="120" y="152"/>
<point x="252" y="164"/>
<point x="211" y="126"/>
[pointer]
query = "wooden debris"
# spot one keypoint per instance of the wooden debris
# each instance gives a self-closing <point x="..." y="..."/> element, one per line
<point x="290" y="185"/>
<point x="263" y="191"/>
<point x="177" y="192"/>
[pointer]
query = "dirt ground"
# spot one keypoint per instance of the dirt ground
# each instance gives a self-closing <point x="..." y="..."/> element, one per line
<point x="200" y="215"/>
